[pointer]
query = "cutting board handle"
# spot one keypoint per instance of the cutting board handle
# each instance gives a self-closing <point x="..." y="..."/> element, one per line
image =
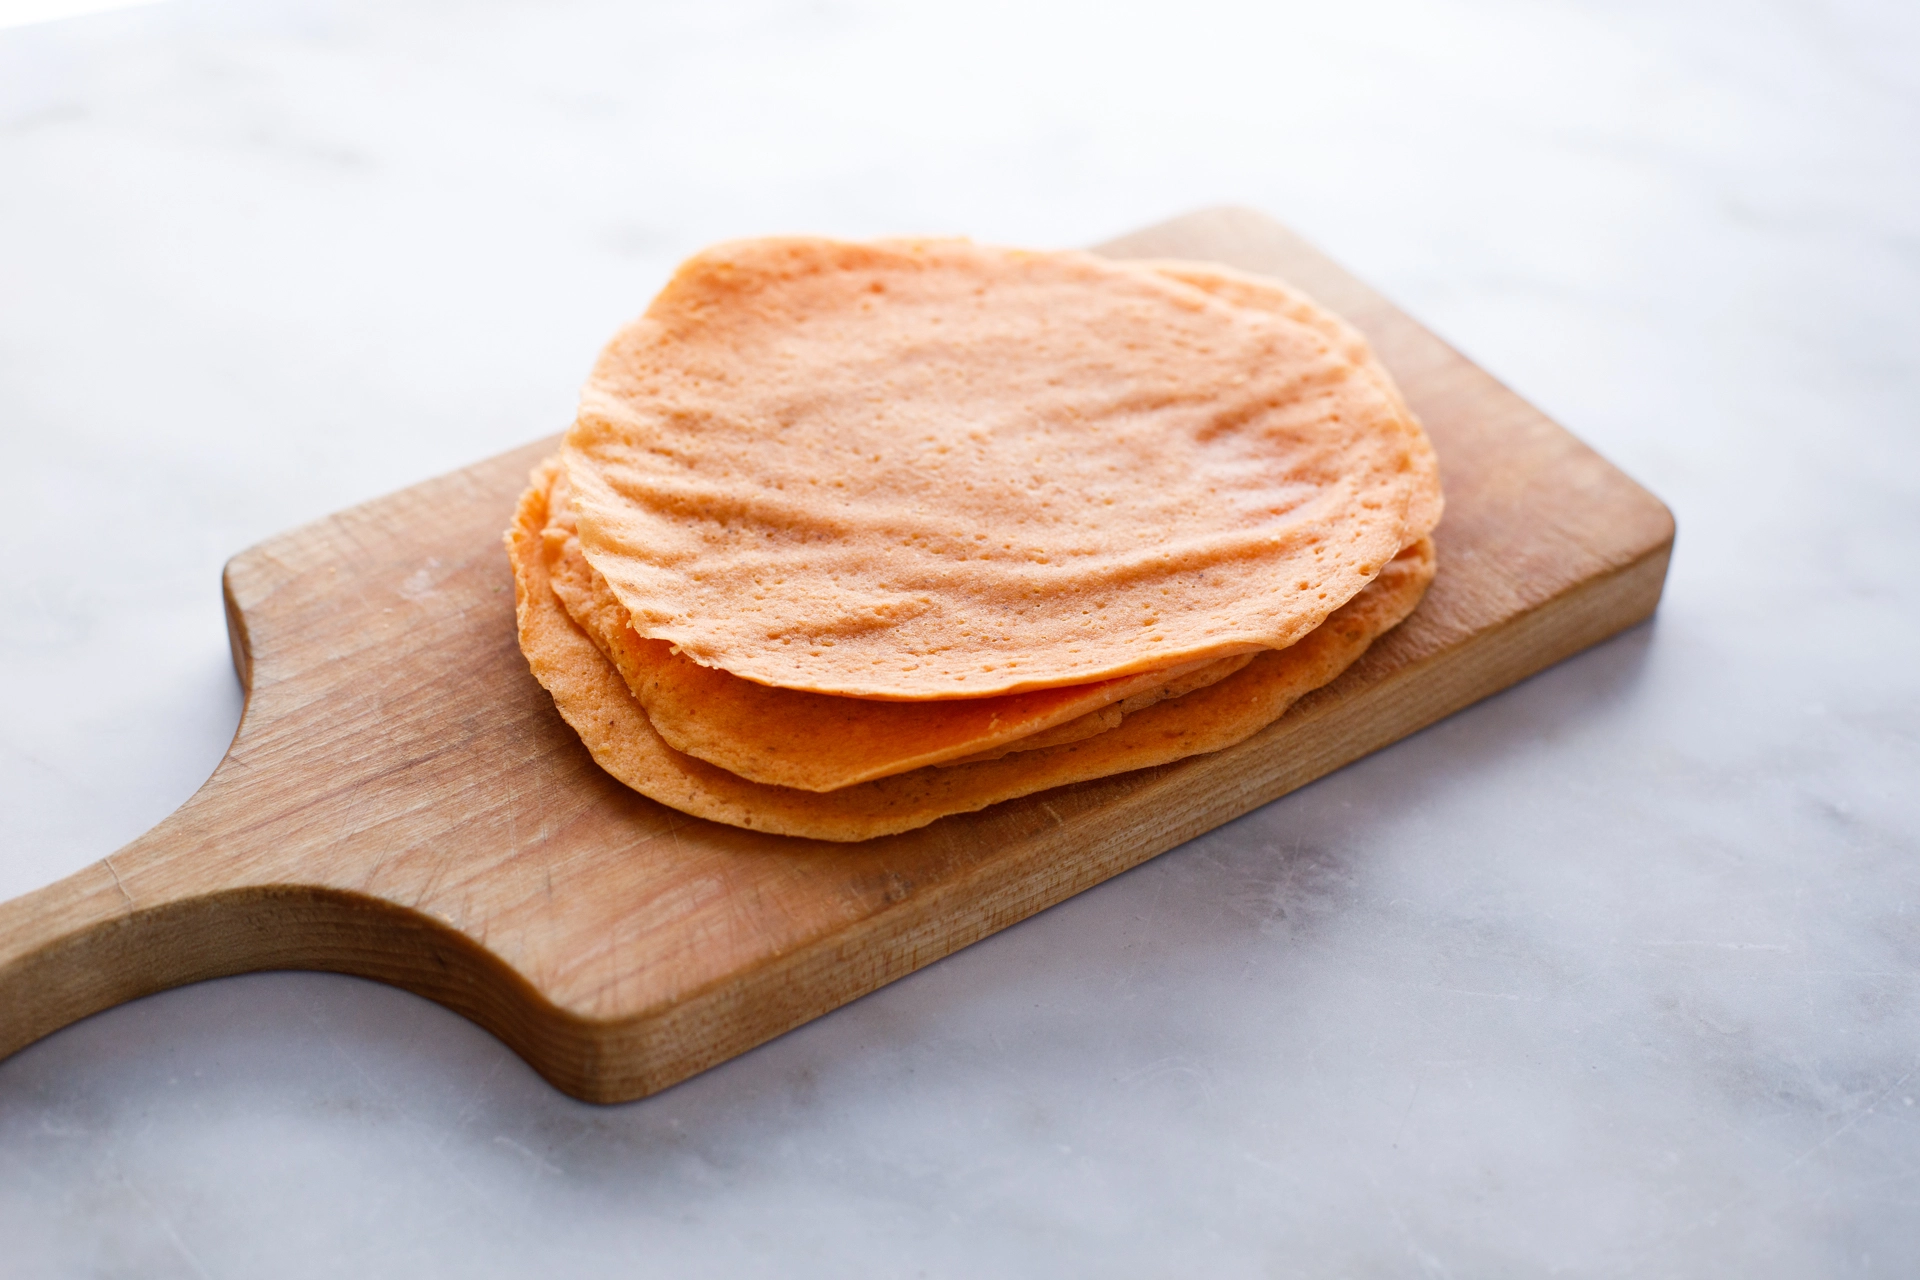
<point x="185" y="902"/>
<point x="89" y="942"/>
<point x="143" y="919"/>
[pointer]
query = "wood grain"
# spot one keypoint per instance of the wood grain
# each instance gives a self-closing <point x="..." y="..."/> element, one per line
<point x="401" y="801"/>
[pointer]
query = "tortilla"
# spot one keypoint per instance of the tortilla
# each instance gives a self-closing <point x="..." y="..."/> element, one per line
<point x="935" y="470"/>
<point x="817" y="741"/>
<point x="1263" y="293"/>
<point x="1108" y="717"/>
<point x="593" y="698"/>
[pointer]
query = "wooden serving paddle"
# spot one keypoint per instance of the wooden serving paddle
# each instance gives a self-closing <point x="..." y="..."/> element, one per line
<point x="401" y="800"/>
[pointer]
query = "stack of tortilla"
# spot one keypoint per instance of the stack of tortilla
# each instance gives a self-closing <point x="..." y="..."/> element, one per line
<point x="849" y="537"/>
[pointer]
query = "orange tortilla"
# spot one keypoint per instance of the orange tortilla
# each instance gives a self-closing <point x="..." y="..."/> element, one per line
<point x="1262" y="293"/>
<point x="593" y="698"/>
<point x="815" y="741"/>
<point x="1179" y="685"/>
<point x="935" y="470"/>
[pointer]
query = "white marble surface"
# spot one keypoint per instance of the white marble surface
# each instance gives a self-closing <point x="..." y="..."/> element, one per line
<point x="1617" y="974"/>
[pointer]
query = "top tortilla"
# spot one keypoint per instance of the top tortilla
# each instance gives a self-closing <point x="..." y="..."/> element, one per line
<point x="931" y="469"/>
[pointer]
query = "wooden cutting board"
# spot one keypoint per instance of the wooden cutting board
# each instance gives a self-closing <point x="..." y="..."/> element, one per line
<point x="402" y="801"/>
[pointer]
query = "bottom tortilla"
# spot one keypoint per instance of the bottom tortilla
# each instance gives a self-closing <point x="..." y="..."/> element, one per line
<point x="594" y="699"/>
